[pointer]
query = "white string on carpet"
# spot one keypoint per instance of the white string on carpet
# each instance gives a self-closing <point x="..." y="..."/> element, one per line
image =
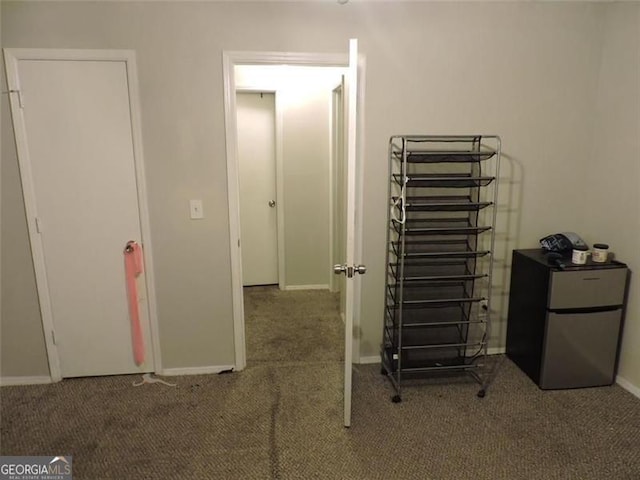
<point x="147" y="378"/>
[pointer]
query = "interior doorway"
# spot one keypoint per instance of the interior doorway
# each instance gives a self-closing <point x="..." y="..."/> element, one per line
<point x="291" y="278"/>
<point x="352" y="268"/>
<point x="298" y="106"/>
<point x="302" y="200"/>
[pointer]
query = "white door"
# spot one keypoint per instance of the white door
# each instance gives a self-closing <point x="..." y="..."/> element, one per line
<point x="351" y="269"/>
<point x="74" y="131"/>
<point x="257" y="164"/>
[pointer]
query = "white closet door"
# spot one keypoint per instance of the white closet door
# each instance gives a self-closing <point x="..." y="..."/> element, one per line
<point x="257" y="162"/>
<point x="79" y="159"/>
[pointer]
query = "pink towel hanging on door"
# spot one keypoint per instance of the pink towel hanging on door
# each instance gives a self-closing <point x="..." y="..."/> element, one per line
<point x="133" y="268"/>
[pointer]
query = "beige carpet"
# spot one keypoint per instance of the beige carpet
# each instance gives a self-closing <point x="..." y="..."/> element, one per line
<point x="299" y="325"/>
<point x="281" y="418"/>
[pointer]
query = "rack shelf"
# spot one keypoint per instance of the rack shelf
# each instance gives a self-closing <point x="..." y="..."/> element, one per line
<point x="448" y="203"/>
<point x="443" y="180"/>
<point x="442" y="197"/>
<point x="445" y="156"/>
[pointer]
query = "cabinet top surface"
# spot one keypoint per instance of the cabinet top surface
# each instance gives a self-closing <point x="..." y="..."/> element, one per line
<point x="541" y="256"/>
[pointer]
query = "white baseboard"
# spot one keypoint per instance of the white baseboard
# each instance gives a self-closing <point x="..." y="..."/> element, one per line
<point x="628" y="386"/>
<point x="9" y="381"/>
<point x="170" y="372"/>
<point x="496" y="350"/>
<point x="371" y="359"/>
<point x="306" y="287"/>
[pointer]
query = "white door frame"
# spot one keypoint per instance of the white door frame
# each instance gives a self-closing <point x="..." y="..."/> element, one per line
<point x="279" y="175"/>
<point x="12" y="56"/>
<point x="229" y="60"/>
<point x="334" y="186"/>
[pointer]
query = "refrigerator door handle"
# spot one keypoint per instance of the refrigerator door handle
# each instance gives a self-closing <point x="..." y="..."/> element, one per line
<point x="569" y="311"/>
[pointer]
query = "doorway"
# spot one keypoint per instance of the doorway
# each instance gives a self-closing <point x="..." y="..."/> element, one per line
<point x="230" y="61"/>
<point x="354" y="96"/>
<point x="306" y="126"/>
<point x="308" y="152"/>
<point x="302" y="201"/>
<point x="308" y="156"/>
<point x="79" y="150"/>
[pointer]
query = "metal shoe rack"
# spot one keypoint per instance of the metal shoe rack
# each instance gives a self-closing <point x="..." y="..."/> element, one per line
<point x="442" y="194"/>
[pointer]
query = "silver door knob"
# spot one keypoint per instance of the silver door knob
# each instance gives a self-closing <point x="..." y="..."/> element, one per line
<point x="272" y="203"/>
<point x="349" y="271"/>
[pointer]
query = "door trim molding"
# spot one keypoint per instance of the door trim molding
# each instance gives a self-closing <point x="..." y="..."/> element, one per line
<point x="12" y="57"/>
<point x="229" y="60"/>
<point x="307" y="287"/>
<point x="17" y="381"/>
<point x="280" y="220"/>
<point x="207" y="370"/>
<point x="334" y="186"/>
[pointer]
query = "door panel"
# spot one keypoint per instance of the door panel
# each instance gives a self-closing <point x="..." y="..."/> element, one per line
<point x="77" y="125"/>
<point x="351" y="90"/>
<point x="257" y="162"/>
<point x="580" y="349"/>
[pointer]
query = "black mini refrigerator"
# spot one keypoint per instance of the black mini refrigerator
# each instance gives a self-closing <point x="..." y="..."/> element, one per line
<point x="564" y="321"/>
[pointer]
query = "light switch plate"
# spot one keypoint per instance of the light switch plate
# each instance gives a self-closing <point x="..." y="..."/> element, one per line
<point x="195" y="207"/>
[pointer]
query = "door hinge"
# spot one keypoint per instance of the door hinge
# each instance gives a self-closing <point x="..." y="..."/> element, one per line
<point x="53" y="337"/>
<point x="38" y="225"/>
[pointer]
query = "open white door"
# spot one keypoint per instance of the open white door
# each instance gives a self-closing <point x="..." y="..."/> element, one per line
<point x="350" y="268"/>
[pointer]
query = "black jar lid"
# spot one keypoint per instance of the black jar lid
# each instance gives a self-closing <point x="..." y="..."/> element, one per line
<point x="601" y="246"/>
<point x="582" y="248"/>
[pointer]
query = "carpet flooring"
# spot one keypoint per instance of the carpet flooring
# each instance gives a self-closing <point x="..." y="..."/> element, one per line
<point x="281" y="417"/>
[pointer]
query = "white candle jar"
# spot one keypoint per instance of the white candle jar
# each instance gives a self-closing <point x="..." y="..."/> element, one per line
<point x="600" y="253"/>
<point x="579" y="256"/>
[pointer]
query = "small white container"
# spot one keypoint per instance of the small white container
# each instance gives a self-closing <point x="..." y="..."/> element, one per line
<point x="579" y="256"/>
<point x="600" y="253"/>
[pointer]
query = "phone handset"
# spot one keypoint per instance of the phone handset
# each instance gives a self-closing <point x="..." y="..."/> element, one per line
<point x="562" y="242"/>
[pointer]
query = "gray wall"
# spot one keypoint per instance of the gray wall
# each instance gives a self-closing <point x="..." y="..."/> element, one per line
<point x="306" y="159"/>
<point x="530" y="72"/>
<point x="612" y="198"/>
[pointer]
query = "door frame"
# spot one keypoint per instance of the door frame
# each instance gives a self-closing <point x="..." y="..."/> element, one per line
<point x="229" y="60"/>
<point x="11" y="58"/>
<point x="279" y="175"/>
<point x="337" y="153"/>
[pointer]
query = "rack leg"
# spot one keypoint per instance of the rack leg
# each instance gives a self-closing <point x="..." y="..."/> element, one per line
<point x="396" y="399"/>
